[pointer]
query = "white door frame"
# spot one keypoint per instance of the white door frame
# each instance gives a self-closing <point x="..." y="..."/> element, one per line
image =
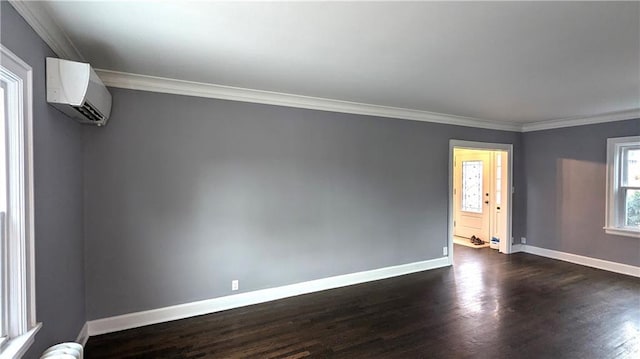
<point x="472" y="145"/>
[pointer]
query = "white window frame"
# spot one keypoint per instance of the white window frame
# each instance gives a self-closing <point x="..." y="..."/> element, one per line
<point x="616" y="191"/>
<point x="18" y="248"/>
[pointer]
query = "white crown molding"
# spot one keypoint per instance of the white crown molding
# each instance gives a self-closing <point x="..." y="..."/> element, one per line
<point x="53" y="34"/>
<point x="47" y="28"/>
<point x="582" y="260"/>
<point x="580" y="121"/>
<point x="181" y="311"/>
<point x="200" y="89"/>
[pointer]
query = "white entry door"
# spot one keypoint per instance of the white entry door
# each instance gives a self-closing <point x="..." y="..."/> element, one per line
<point x="472" y="200"/>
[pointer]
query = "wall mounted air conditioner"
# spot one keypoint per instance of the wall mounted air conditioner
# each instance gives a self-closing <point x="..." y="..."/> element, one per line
<point x="76" y="90"/>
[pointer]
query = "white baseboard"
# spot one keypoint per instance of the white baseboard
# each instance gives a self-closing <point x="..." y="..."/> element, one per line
<point x="138" y="319"/>
<point x="585" y="261"/>
<point x="83" y="336"/>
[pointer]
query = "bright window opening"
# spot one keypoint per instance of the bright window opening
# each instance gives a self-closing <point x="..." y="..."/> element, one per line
<point x="17" y="284"/>
<point x="623" y="186"/>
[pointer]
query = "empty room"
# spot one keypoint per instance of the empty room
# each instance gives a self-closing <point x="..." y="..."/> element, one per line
<point x="235" y="179"/>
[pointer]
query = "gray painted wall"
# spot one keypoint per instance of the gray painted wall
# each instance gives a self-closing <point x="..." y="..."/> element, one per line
<point x="184" y="194"/>
<point x="566" y="194"/>
<point x="60" y="291"/>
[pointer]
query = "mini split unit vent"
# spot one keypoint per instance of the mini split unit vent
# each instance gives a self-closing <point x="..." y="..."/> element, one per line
<point x="76" y="90"/>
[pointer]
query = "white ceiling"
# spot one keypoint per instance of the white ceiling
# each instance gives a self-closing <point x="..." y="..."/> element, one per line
<point x="509" y="62"/>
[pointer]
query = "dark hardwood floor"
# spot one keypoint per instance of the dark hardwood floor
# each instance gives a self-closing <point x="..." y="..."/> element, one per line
<point x="488" y="305"/>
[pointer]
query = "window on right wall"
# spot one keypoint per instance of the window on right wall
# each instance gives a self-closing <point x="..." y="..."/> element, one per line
<point x="623" y="186"/>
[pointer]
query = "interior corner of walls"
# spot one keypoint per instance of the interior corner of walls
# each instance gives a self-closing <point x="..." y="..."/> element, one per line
<point x="83" y="336"/>
<point x="515" y="248"/>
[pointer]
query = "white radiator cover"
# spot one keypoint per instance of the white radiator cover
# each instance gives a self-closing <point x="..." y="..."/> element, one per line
<point x="64" y="351"/>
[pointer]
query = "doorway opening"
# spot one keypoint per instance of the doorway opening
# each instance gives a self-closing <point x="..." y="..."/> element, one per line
<point x="480" y="193"/>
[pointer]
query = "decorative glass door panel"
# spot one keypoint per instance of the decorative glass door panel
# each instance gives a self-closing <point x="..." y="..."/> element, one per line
<point x="472" y="186"/>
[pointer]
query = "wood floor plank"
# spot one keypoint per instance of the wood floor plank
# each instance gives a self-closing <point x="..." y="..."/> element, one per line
<point x="488" y="305"/>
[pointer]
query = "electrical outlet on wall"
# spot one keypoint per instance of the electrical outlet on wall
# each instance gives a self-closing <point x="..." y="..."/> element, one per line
<point x="445" y="251"/>
<point x="234" y="284"/>
<point x="523" y="240"/>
